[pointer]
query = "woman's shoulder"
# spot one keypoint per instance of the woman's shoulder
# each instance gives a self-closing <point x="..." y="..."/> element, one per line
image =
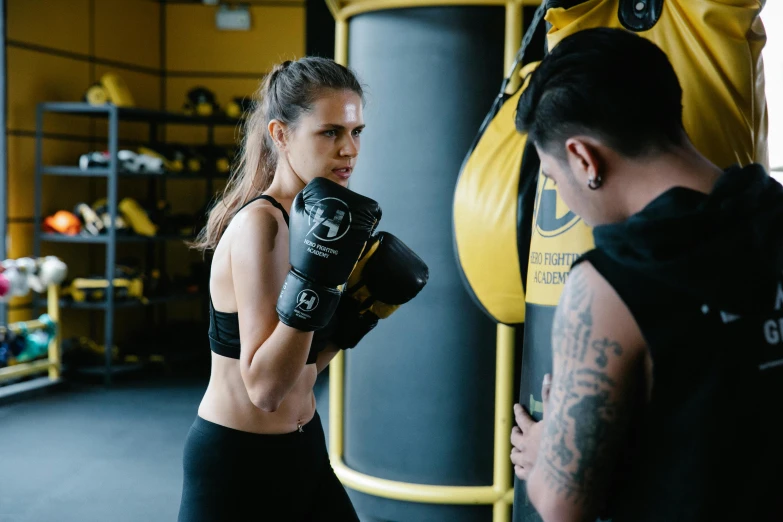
<point x="258" y="222"/>
<point x="259" y="215"/>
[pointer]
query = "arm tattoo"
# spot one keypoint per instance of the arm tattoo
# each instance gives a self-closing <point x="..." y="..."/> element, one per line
<point x="602" y="347"/>
<point x="578" y="439"/>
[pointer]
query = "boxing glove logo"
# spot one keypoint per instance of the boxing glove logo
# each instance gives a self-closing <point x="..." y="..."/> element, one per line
<point x="306" y="300"/>
<point x="329" y="219"/>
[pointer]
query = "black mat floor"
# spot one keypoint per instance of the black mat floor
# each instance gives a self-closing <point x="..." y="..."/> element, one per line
<point x="87" y="453"/>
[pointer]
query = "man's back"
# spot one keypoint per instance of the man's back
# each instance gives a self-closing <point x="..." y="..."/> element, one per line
<point x="703" y="277"/>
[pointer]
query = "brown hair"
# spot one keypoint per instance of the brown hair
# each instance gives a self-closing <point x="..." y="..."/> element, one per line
<point x="289" y="90"/>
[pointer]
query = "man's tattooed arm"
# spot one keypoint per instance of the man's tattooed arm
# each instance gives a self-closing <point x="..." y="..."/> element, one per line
<point x="597" y="350"/>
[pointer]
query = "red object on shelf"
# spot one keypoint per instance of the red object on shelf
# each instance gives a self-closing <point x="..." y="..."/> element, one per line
<point x="63" y="222"/>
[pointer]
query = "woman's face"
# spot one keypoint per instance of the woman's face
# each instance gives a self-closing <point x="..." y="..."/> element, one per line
<point x="325" y="142"/>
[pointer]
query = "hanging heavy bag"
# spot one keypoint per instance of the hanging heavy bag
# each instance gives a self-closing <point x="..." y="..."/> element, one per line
<point x="494" y="197"/>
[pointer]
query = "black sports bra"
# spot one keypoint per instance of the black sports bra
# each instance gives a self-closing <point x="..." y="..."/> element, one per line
<point x="224" y="326"/>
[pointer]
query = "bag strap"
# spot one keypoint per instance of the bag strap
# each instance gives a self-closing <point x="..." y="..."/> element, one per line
<point x="525" y="51"/>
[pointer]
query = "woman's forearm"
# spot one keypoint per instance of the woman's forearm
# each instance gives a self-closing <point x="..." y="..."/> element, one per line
<point x="274" y="368"/>
<point x="326" y="356"/>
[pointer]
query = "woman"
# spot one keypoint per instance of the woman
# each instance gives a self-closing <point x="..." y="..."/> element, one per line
<point x="256" y="450"/>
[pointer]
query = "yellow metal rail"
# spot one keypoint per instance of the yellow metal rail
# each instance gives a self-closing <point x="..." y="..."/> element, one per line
<point x="500" y="494"/>
<point x="343" y="10"/>
<point x="514" y="22"/>
<point x="28" y="368"/>
<point x="52" y="363"/>
<point x="409" y="492"/>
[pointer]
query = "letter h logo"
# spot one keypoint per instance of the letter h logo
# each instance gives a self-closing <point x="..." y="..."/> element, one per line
<point x="334" y="215"/>
<point x="332" y="224"/>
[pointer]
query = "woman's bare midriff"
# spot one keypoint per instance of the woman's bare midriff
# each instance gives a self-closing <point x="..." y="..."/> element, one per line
<point x="227" y="403"/>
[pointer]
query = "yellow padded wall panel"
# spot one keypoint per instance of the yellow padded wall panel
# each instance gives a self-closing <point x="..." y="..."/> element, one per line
<point x="227" y="135"/>
<point x="128" y="31"/>
<point x="193" y="43"/>
<point x="15" y="316"/>
<point x="21" y="165"/>
<point x="21" y="243"/>
<point x="34" y="77"/>
<point x="21" y="170"/>
<point x="60" y="24"/>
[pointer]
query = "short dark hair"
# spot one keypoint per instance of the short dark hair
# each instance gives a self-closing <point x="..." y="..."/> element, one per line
<point x="607" y="83"/>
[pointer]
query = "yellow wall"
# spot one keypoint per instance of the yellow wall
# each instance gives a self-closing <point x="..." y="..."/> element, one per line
<point x="56" y="48"/>
<point x="229" y="63"/>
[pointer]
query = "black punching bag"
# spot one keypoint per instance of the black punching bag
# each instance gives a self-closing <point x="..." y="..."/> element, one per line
<point x="419" y="390"/>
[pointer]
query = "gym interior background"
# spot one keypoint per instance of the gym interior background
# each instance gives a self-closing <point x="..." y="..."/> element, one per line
<point x="56" y="49"/>
<point x="99" y="444"/>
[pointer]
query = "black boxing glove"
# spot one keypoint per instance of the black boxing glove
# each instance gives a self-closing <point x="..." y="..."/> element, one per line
<point x="388" y="275"/>
<point x="329" y="228"/>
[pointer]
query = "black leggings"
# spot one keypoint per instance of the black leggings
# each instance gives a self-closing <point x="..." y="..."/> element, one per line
<point x="233" y="475"/>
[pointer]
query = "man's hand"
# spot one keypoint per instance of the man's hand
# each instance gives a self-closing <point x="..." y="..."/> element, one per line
<point x="526" y="435"/>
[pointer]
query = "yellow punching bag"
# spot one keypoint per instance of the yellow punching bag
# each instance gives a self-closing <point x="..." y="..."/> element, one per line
<point x="715" y="49"/>
<point x="495" y="193"/>
<point x="488" y="207"/>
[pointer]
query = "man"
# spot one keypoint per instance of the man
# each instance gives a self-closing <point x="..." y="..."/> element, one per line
<point x="667" y="343"/>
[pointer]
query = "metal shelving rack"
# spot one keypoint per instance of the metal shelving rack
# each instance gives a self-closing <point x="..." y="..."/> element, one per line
<point x="115" y="115"/>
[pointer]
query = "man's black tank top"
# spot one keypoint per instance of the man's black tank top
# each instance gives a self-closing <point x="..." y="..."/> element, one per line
<point x="707" y="447"/>
<point x="224" y="326"/>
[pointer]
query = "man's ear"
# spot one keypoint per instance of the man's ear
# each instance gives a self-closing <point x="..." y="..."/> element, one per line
<point x="584" y="158"/>
<point x="277" y="130"/>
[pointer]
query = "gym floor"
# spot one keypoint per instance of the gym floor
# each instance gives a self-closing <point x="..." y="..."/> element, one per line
<point x="90" y="453"/>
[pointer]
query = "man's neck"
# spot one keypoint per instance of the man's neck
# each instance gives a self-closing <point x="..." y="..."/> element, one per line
<point x="684" y="167"/>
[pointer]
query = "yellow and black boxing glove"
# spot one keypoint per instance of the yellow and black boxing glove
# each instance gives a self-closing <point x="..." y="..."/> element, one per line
<point x="387" y="275"/>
